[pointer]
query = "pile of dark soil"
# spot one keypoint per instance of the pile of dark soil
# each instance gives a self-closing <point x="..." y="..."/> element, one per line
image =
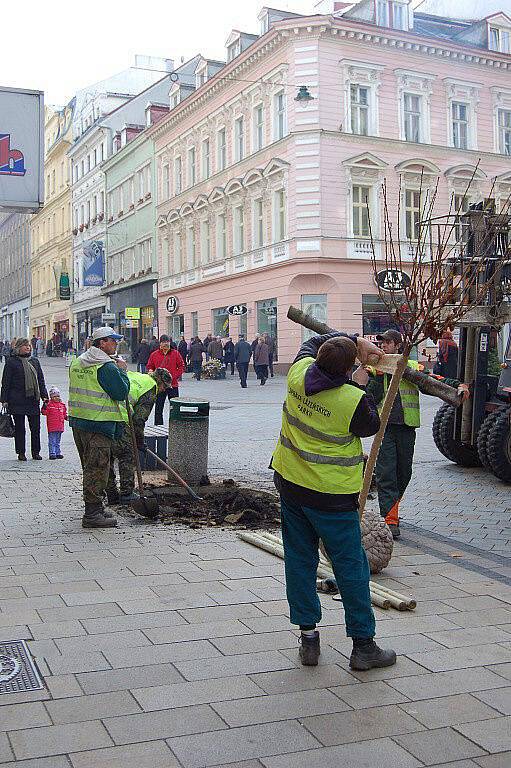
<point x="225" y="505"/>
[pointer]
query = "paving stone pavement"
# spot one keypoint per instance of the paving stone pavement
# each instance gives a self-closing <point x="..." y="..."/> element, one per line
<point x="163" y="647"/>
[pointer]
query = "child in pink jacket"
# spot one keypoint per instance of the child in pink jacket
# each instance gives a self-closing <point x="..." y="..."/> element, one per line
<point x="56" y="414"/>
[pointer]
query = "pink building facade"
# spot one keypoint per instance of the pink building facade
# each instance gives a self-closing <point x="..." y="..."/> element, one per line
<point x="262" y="197"/>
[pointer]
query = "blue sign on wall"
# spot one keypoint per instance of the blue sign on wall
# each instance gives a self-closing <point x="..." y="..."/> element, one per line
<point x="93" y="263"/>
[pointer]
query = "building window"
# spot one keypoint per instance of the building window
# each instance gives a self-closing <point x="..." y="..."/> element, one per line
<point x="258" y="128"/>
<point x="393" y="14"/>
<point x="500" y="40"/>
<point x="412" y="213"/>
<point x="279" y="216"/>
<point x="314" y="304"/>
<point x="221" y="145"/>
<point x="233" y="50"/>
<point x="205" y="242"/>
<point x="239" y="230"/>
<point x="360" y="213"/>
<point x="279" y="106"/>
<point x="239" y="139"/>
<point x="190" y="246"/>
<point x="504" y="126"/>
<point x="178" y="259"/>
<point x="221" y="236"/>
<point x="460" y="205"/>
<point x="459" y="115"/>
<point x="166" y="182"/>
<point x="412" y="112"/>
<point x="178" y="176"/>
<point x="258" y="226"/>
<point x="191" y="167"/>
<point x="206" y="169"/>
<point x="359" y="98"/>
<point x="195" y="324"/>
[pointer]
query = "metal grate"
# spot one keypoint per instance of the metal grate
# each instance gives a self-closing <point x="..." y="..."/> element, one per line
<point x="18" y="672"/>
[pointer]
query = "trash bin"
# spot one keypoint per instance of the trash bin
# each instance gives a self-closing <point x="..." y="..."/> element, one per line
<point x="188" y="439"/>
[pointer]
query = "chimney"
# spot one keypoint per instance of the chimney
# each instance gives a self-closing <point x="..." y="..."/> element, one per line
<point x="155" y="112"/>
<point x="129" y="132"/>
<point x="117" y="141"/>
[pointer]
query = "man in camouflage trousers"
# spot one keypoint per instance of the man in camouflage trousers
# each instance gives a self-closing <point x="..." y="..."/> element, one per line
<point x="144" y="388"/>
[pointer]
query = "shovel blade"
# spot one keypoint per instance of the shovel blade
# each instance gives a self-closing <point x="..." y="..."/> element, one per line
<point x="147" y="507"/>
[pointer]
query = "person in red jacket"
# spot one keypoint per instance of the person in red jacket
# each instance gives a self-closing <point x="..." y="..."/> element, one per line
<point x="170" y="359"/>
<point x="56" y="414"/>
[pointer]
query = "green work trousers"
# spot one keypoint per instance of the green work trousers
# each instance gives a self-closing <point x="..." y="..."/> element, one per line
<point x="394" y="466"/>
<point x="94" y="451"/>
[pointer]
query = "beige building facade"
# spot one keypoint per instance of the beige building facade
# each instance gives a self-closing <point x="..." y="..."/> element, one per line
<point x="51" y="239"/>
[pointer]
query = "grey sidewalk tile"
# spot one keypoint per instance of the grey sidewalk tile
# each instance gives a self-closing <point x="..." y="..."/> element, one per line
<point x="362" y="696"/>
<point x="166" y="604"/>
<point x="37" y="590"/>
<point x="225" y="666"/>
<point x="54" y="629"/>
<point x="503" y="670"/>
<point x="80" y="612"/>
<point x="357" y="725"/>
<point x="59" y="761"/>
<point x="431" y="686"/>
<point x="251" y="741"/>
<point x="221" y="613"/>
<point x="494" y="761"/>
<point x="162" y="654"/>
<point x="181" y="721"/>
<point x="491" y="735"/>
<point x="469" y="619"/>
<point x="283" y="706"/>
<point x="263" y="624"/>
<point x="18" y="632"/>
<point x="76" y="663"/>
<point x="16" y="716"/>
<point x="458" y="638"/>
<point x="92" y="707"/>
<point x="253" y="643"/>
<point x="440" y="745"/>
<point x="451" y="710"/>
<point x="376" y="753"/>
<point x="499" y="699"/>
<point x="149" y="754"/>
<point x="124" y="623"/>
<point x="188" y="694"/>
<point x="63" y="686"/>
<point x="124" y="679"/>
<point x="205" y="631"/>
<point x="98" y="596"/>
<point x="404" y="667"/>
<point x="306" y="678"/>
<point x="462" y="658"/>
<point x="105" y="642"/>
<point x="59" y="739"/>
<point x="412" y="625"/>
<point x="482" y="603"/>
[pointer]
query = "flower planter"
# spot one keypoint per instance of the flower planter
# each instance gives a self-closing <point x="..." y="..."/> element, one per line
<point x="101" y="217"/>
<point x="75" y="231"/>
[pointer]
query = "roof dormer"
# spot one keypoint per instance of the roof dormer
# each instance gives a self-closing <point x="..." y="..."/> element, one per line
<point x="237" y="42"/>
<point x="499" y="33"/>
<point x="394" y="14"/>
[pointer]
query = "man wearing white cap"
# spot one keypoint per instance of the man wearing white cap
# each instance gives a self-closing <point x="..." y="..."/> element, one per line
<point x="98" y="387"/>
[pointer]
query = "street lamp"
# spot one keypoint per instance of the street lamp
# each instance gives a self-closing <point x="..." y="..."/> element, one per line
<point x="303" y="96"/>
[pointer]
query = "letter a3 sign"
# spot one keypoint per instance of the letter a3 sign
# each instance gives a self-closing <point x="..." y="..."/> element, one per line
<point x="21" y="150"/>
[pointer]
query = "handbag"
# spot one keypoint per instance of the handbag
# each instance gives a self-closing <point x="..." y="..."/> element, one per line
<point x="6" y="424"/>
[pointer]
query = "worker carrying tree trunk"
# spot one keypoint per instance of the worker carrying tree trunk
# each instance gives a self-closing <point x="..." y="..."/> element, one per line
<point x="144" y="389"/>
<point x="318" y="464"/>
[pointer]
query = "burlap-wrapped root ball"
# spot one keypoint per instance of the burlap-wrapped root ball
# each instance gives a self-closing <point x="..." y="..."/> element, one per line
<point x="377" y="540"/>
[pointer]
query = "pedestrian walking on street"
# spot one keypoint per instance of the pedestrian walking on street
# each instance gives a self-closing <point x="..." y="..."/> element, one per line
<point x="144" y="388"/>
<point x="229" y="354"/>
<point x="270" y="341"/>
<point x="261" y="360"/>
<point x="56" y="416"/>
<point x="242" y="355"/>
<point x="33" y="342"/>
<point x="23" y="387"/>
<point x="182" y="348"/>
<point x="195" y="356"/>
<point x="170" y="359"/>
<point x="318" y="465"/>
<point x="215" y="349"/>
<point x="253" y="347"/>
<point x="98" y="388"/>
<point x="447" y="358"/>
<point x="207" y="341"/>
<point x="40" y="347"/>
<point x="143" y="354"/>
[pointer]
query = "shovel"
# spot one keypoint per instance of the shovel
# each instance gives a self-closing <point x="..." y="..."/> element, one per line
<point x="147" y="506"/>
<point x="179" y="479"/>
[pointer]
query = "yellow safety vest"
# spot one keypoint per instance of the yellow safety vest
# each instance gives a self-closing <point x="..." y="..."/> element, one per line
<point x="87" y="398"/>
<point x="409" y="397"/>
<point x="316" y="448"/>
<point x="140" y="383"/>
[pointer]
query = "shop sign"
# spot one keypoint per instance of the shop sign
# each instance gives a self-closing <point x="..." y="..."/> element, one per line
<point x="93" y="263"/>
<point x="172" y="305"/>
<point x="107" y="317"/>
<point x="237" y="309"/>
<point x="393" y="280"/>
<point x="130" y="323"/>
<point x="133" y="313"/>
<point x="271" y="311"/>
<point x="64" y="286"/>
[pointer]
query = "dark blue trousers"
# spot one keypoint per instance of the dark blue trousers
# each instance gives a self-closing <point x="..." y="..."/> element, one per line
<point x="302" y="527"/>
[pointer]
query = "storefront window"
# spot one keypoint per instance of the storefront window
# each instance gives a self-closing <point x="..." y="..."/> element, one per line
<point x="267" y="318"/>
<point x="243" y="324"/>
<point x="220" y="322"/>
<point x="195" y="324"/>
<point x="176" y="326"/>
<point x="375" y="317"/>
<point x="147" y="320"/>
<point x="314" y="304"/>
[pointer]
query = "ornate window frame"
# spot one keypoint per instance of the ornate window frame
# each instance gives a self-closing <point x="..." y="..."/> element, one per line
<point x="467" y="93"/>
<point x="417" y="84"/>
<point x="501" y="98"/>
<point x="368" y="76"/>
<point x="364" y="170"/>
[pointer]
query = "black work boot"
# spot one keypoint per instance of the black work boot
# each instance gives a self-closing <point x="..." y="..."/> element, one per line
<point x="112" y="497"/>
<point x="95" y="517"/>
<point x="394" y="529"/>
<point x="367" y="655"/>
<point x="310" y="650"/>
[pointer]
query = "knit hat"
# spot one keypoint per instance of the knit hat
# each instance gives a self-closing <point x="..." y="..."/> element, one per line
<point x="54" y="391"/>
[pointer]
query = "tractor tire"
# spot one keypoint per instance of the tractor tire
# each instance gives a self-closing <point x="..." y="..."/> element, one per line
<point x="455" y="451"/>
<point x="499" y="446"/>
<point x="436" y="429"/>
<point x="482" y="438"/>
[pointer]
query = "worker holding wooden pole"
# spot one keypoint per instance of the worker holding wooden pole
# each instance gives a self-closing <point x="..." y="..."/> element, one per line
<point x="318" y="464"/>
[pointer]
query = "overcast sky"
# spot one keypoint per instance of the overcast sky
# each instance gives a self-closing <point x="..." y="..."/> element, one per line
<point x="59" y="47"/>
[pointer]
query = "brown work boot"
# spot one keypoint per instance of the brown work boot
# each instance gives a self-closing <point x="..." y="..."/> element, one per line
<point x="310" y="650"/>
<point x="95" y="517"/>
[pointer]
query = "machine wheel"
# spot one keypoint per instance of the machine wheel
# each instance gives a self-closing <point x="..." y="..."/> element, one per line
<point x="482" y="438"/>
<point x="460" y="454"/>
<point x="436" y="429"/>
<point x="499" y="446"/>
